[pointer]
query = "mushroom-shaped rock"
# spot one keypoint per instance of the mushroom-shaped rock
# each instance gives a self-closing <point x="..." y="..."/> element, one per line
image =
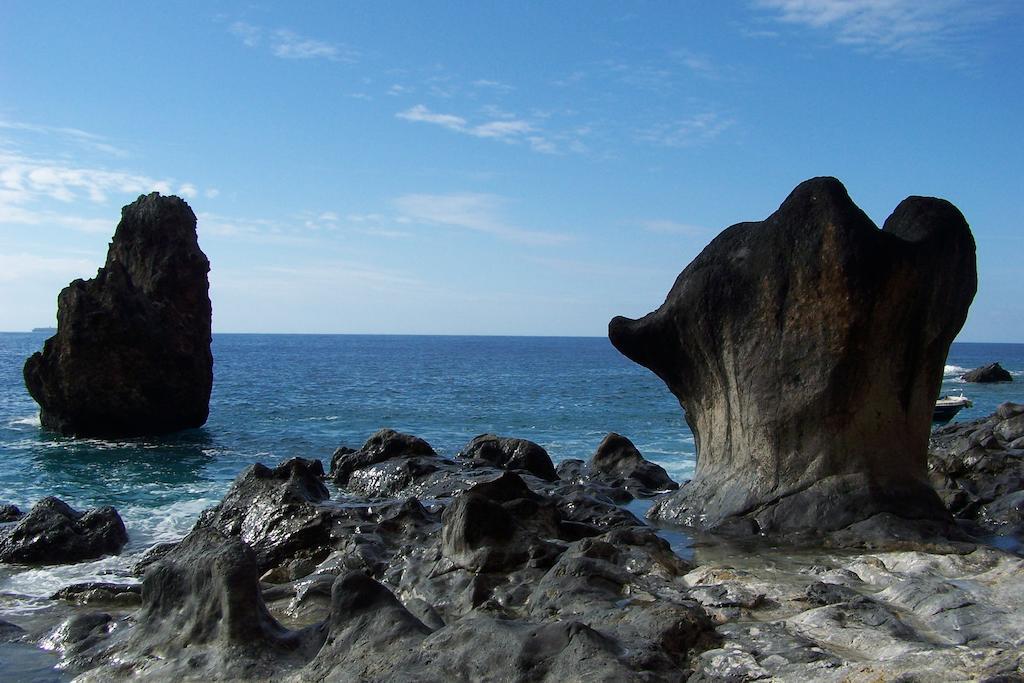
<point x="807" y="351"/>
<point x="53" y="533"/>
<point x="510" y="454"/>
<point x="987" y="374"/>
<point x="132" y="351"/>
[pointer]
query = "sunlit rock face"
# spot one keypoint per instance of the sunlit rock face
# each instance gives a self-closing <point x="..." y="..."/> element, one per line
<point x="131" y="356"/>
<point x="807" y="351"/>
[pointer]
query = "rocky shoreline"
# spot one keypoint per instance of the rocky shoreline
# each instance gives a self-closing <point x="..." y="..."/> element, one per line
<point x="400" y="564"/>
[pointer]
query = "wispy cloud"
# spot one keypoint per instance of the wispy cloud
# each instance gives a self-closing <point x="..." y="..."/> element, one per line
<point x="471" y="211"/>
<point x="84" y="139"/>
<point x="23" y="266"/>
<point x="695" y="130"/>
<point x="288" y="44"/>
<point x="25" y="179"/>
<point x="910" y="27"/>
<point x="506" y="129"/>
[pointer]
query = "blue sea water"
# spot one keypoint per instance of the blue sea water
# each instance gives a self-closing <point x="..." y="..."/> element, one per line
<point x="279" y="396"/>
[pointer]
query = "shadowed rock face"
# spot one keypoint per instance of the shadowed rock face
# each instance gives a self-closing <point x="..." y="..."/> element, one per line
<point x="132" y="351"/>
<point x="807" y="351"/>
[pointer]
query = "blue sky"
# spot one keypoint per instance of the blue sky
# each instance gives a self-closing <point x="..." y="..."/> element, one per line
<point x="492" y="167"/>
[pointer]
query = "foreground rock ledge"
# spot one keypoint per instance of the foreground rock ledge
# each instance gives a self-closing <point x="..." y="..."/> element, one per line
<point x="807" y="351"/>
<point x="131" y="355"/>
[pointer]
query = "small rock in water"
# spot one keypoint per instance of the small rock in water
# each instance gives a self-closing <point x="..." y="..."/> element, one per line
<point x="132" y="351"/>
<point x="53" y="533"/>
<point x="510" y="454"/>
<point x="987" y="374"/>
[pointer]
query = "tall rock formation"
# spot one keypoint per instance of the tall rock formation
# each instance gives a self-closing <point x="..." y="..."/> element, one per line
<point x="807" y="351"/>
<point x="132" y="351"/>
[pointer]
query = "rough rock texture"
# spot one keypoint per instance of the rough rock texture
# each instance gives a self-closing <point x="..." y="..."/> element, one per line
<point x="504" y="576"/>
<point x="10" y="513"/>
<point x="132" y="351"/>
<point x="510" y="454"/>
<point x="496" y="576"/>
<point x="53" y="533"/>
<point x="807" y="351"/>
<point x="978" y="469"/>
<point x="993" y="372"/>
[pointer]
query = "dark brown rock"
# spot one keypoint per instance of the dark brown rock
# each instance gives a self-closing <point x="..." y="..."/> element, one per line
<point x="807" y="351"/>
<point x="132" y="351"/>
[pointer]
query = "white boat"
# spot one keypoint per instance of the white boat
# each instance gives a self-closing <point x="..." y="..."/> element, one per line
<point x="947" y="407"/>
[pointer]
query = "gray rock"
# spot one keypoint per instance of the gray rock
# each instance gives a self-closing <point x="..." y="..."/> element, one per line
<point x="53" y="533"/>
<point x="618" y="463"/>
<point x="384" y="445"/>
<point x="10" y="513"/>
<point x="807" y="351"/>
<point x="132" y="351"/>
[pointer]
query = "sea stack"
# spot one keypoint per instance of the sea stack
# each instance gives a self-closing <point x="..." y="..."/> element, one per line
<point x="131" y="356"/>
<point x="807" y="351"/>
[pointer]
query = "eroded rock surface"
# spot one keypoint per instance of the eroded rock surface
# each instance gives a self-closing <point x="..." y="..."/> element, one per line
<point x="54" y="533"/>
<point x="132" y="351"/>
<point x="978" y="469"/>
<point x="807" y="351"/>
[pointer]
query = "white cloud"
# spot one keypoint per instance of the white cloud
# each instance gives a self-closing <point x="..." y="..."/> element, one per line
<point x="287" y="44"/>
<point x="693" y="131"/>
<point x="188" y="191"/>
<point x="212" y="193"/>
<point x="913" y="27"/>
<point x="17" y="215"/>
<point x="471" y="211"/>
<point x="504" y="127"/>
<point x="25" y="179"/>
<point x="424" y="115"/>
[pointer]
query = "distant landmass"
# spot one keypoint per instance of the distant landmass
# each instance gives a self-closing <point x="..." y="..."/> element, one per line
<point x="51" y="330"/>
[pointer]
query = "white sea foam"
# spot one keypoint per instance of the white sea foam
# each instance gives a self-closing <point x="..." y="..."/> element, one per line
<point x="950" y="371"/>
<point x="30" y="421"/>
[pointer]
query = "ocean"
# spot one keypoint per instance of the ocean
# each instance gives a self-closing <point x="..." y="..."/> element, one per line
<point x="281" y="396"/>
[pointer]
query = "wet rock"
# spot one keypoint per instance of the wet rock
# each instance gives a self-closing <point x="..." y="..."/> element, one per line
<point x="10" y="632"/>
<point x="92" y="592"/>
<point x="979" y="472"/>
<point x="510" y="454"/>
<point x="987" y="374"/>
<point x="10" y="513"/>
<point x="276" y="511"/>
<point x="618" y="463"/>
<point x="152" y="555"/>
<point x="384" y="445"/>
<point x="807" y="351"/>
<point x="75" y="636"/>
<point x="53" y="533"/>
<point x="132" y="351"/>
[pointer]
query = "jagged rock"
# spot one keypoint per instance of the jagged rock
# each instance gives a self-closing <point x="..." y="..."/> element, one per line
<point x="510" y="454"/>
<point x="132" y="351"/>
<point x="987" y="374"/>
<point x="10" y="632"/>
<point x="978" y="469"/>
<point x="276" y="511"/>
<point x="807" y="351"/>
<point x="384" y="445"/>
<point x="53" y="533"/>
<point x="10" y="513"/>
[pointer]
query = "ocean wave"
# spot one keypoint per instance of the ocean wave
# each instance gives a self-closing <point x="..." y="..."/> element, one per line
<point x="30" y="421"/>
<point x="953" y="371"/>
